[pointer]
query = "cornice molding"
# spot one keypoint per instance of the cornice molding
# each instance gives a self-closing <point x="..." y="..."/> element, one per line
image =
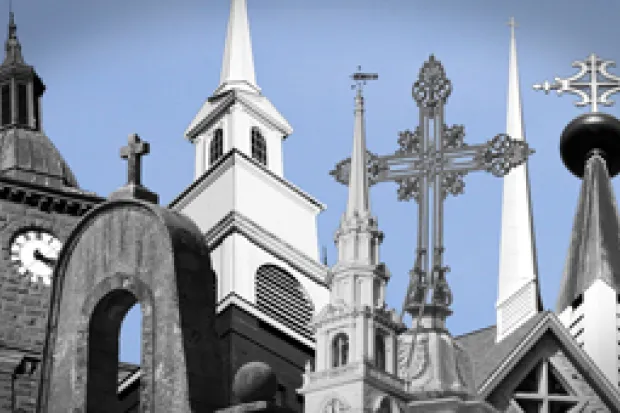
<point x="235" y="222"/>
<point x="67" y="202"/>
<point x="226" y="162"/>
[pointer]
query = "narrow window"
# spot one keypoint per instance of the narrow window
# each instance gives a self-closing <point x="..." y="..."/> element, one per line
<point x="380" y="350"/>
<point x="577" y="302"/>
<point x="6" y="105"/>
<point x="216" y="148"/>
<point x="22" y="105"/>
<point x="259" y="147"/>
<point x="281" y="396"/>
<point x="35" y="106"/>
<point x="340" y="350"/>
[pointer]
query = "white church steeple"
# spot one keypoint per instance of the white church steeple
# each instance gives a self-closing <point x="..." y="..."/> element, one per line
<point x="261" y="229"/>
<point x="519" y="295"/>
<point x="237" y="116"/>
<point x="238" y="64"/>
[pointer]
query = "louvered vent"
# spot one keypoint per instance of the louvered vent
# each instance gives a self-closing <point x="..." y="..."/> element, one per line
<point x="280" y="296"/>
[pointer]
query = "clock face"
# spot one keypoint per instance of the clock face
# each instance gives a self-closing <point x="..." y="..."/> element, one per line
<point x="35" y="253"/>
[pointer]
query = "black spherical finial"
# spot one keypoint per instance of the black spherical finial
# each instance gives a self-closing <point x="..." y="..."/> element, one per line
<point x="255" y="381"/>
<point x="589" y="133"/>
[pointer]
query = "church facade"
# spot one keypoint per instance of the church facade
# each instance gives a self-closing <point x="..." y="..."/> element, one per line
<point x="238" y="312"/>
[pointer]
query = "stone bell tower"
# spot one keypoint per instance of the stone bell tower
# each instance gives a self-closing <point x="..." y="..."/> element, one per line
<point x="130" y="250"/>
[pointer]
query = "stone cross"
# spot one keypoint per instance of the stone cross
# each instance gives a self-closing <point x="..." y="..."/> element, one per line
<point x="434" y="157"/>
<point x="134" y="150"/>
<point x="597" y="87"/>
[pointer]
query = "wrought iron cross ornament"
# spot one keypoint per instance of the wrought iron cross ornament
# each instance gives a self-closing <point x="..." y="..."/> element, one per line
<point x="592" y="79"/>
<point x="434" y="157"/>
<point x="133" y="152"/>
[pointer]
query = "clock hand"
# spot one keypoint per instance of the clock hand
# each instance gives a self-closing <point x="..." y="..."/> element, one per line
<point x="39" y="256"/>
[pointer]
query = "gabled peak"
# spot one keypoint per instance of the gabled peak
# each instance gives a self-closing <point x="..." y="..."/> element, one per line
<point x="595" y="241"/>
<point x="238" y="63"/>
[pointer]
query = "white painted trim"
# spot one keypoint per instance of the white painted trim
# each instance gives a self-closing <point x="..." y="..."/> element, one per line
<point x="237" y="222"/>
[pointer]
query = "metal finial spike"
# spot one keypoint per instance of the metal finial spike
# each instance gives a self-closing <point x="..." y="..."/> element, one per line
<point x="593" y="83"/>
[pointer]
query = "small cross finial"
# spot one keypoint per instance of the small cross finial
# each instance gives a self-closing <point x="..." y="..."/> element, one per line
<point x="513" y="25"/>
<point x="133" y="152"/>
<point x="360" y="79"/>
<point x="593" y="84"/>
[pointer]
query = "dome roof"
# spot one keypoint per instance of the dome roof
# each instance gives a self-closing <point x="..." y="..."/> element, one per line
<point x="255" y="381"/>
<point x="30" y="156"/>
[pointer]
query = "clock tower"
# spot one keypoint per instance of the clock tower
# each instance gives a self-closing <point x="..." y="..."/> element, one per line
<point x="40" y="202"/>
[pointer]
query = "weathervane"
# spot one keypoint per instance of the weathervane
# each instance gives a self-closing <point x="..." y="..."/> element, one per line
<point x="360" y="79"/>
<point x="435" y="159"/>
<point x="592" y="79"/>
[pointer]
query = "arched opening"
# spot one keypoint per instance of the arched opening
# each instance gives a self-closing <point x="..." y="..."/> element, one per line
<point x="104" y="333"/>
<point x="216" y="147"/>
<point x="259" y="147"/>
<point x="340" y="350"/>
<point x="380" y="350"/>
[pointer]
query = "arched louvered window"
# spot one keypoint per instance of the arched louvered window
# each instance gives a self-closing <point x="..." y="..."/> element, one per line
<point x="380" y="350"/>
<point x="340" y="350"/>
<point x="280" y="296"/>
<point x="259" y="147"/>
<point x="216" y="148"/>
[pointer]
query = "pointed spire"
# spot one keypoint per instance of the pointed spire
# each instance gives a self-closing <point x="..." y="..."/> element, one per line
<point x="238" y="63"/>
<point x="358" y="202"/>
<point x="358" y="236"/>
<point x="593" y="253"/>
<point x="12" y="46"/>
<point x="518" y="264"/>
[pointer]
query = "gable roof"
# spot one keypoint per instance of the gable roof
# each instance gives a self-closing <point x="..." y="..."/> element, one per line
<point x="215" y="106"/>
<point x="493" y="361"/>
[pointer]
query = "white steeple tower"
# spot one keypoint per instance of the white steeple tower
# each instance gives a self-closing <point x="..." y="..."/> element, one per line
<point x="261" y="228"/>
<point x="238" y="63"/>
<point x="355" y="329"/>
<point x="237" y="106"/>
<point x="519" y="296"/>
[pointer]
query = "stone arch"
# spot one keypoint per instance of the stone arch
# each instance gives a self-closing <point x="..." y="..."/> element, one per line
<point x="127" y="250"/>
<point x="102" y="313"/>
<point x="281" y="296"/>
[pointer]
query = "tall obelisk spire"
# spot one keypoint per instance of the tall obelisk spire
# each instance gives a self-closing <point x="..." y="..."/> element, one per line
<point x="519" y="295"/>
<point x="238" y="63"/>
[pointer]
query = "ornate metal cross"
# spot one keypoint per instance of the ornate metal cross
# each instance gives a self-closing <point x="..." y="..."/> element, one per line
<point x="435" y="157"/>
<point x="133" y="152"/>
<point x="594" y="79"/>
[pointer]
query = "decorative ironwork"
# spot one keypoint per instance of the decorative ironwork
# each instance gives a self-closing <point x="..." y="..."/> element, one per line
<point x="342" y="170"/>
<point x="432" y="87"/>
<point x="592" y="79"/>
<point x="435" y="159"/>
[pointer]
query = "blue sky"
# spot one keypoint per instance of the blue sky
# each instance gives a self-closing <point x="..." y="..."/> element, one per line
<point x="117" y="67"/>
